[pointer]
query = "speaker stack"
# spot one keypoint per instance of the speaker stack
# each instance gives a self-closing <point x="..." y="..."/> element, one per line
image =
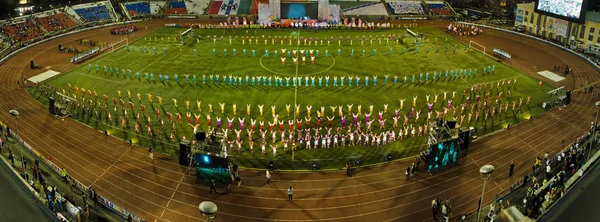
<point x="465" y="137"/>
<point x="184" y="150"/>
<point x="51" y="107"/>
<point x="451" y="124"/>
<point x="200" y="136"/>
<point x="567" y="98"/>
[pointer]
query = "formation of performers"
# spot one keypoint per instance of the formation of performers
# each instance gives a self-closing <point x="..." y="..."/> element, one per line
<point x="289" y="81"/>
<point x="300" y="128"/>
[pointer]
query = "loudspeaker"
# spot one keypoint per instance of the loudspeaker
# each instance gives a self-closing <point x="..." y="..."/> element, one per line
<point x="51" y="107"/>
<point x="271" y="166"/>
<point x="465" y="137"/>
<point x="184" y="150"/>
<point x="568" y="98"/>
<point x="200" y="135"/>
<point x="451" y="124"/>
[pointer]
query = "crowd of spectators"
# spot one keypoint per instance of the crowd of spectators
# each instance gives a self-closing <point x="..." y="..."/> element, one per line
<point x="407" y="7"/>
<point x="550" y="175"/>
<point x="23" y="31"/>
<point x="43" y="183"/>
<point x="56" y="22"/>
<point x="93" y="14"/>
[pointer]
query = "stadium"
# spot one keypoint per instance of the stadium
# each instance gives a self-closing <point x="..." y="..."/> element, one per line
<point x="269" y="110"/>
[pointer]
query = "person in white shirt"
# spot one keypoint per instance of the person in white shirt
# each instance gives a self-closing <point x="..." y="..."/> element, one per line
<point x="290" y="191"/>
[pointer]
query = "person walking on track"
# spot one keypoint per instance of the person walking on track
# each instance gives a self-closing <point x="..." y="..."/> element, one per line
<point x="150" y="153"/>
<point x="213" y="186"/>
<point x="268" y="176"/>
<point x="238" y="178"/>
<point x="290" y="191"/>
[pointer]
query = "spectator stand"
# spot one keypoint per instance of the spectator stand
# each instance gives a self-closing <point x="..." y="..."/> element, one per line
<point x="157" y="7"/>
<point x="93" y="12"/>
<point x="197" y="7"/>
<point x="437" y="8"/>
<point x="21" y="29"/>
<point x="55" y="20"/>
<point x="372" y="8"/>
<point x="348" y="4"/>
<point x="70" y="191"/>
<point x="137" y="9"/>
<point x="399" y="7"/>
<point x="176" y="8"/>
<point x="541" y="191"/>
<point x="229" y="7"/>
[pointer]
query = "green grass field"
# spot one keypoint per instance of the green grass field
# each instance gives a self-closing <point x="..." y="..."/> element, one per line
<point x="182" y="60"/>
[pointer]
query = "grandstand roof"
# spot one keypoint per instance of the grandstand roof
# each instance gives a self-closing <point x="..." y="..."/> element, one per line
<point x="592" y="16"/>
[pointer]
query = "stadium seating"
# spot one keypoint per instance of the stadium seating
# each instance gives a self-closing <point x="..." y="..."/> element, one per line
<point x="198" y="7"/>
<point x="94" y="13"/>
<point x="156" y="7"/>
<point x="56" y="22"/>
<point x="176" y="8"/>
<point x="22" y="31"/>
<point x="215" y="7"/>
<point x="373" y="8"/>
<point x="406" y="8"/>
<point x="438" y="8"/>
<point x="346" y="4"/>
<point x="229" y="7"/>
<point x="138" y="8"/>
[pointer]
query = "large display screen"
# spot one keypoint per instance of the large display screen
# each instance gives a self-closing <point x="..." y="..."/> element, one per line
<point x="572" y="10"/>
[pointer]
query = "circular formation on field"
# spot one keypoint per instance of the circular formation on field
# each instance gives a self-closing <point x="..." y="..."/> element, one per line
<point x="294" y="74"/>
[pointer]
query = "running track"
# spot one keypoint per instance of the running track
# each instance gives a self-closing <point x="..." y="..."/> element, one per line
<point x="161" y="190"/>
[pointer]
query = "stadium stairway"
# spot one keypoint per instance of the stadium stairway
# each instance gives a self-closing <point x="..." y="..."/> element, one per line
<point x="114" y="16"/>
<point x="70" y="16"/>
<point x="450" y="7"/>
<point x="387" y="7"/>
<point x="124" y="8"/>
<point x="425" y="7"/>
<point x="38" y="25"/>
<point x="71" y="13"/>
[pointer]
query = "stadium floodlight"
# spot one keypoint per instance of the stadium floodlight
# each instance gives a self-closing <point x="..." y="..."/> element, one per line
<point x="208" y="209"/>
<point x="486" y="171"/>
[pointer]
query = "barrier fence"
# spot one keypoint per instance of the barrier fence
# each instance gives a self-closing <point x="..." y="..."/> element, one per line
<point x="83" y="188"/>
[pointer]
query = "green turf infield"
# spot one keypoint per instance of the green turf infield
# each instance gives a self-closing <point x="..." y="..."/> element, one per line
<point x="183" y="60"/>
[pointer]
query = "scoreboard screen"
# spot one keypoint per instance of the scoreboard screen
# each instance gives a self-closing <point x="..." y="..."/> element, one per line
<point x="571" y="10"/>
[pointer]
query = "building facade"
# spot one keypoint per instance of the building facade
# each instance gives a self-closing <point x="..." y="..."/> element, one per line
<point x="574" y="35"/>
